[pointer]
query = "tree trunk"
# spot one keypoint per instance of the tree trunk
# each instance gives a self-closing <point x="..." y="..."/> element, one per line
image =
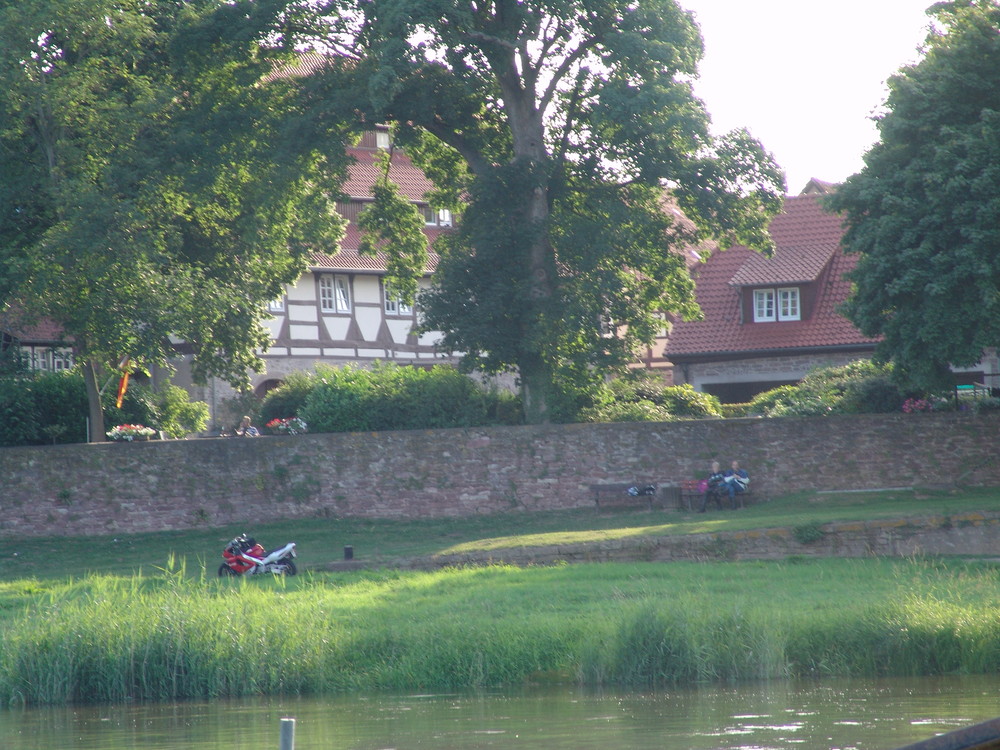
<point x="96" y="413"/>
<point x="536" y="389"/>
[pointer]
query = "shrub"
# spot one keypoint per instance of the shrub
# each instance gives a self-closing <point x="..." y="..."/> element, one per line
<point x="18" y="420"/>
<point x="986" y="405"/>
<point x="861" y="387"/>
<point x="765" y="403"/>
<point x="685" y="401"/>
<point x="649" y="390"/>
<point x="626" y="411"/>
<point x="393" y="397"/>
<point x="179" y="416"/>
<point x="288" y="399"/>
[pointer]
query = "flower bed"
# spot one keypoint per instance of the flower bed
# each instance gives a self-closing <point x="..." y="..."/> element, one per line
<point x="288" y="426"/>
<point x="130" y="432"/>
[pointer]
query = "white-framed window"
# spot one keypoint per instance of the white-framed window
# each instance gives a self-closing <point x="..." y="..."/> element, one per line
<point x="763" y="305"/>
<point x="334" y="293"/>
<point x="276" y="305"/>
<point x="62" y="360"/>
<point x="393" y="304"/>
<point x="776" y="304"/>
<point x="788" y="303"/>
<point x="382" y="140"/>
<point x="434" y="217"/>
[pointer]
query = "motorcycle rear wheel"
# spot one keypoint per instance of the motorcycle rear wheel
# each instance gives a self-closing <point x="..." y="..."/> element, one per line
<point x="290" y="568"/>
<point x="225" y="570"/>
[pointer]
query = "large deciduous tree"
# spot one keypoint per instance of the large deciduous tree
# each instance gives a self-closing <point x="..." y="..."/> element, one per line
<point x="155" y="183"/>
<point x="561" y="129"/>
<point x="924" y="213"/>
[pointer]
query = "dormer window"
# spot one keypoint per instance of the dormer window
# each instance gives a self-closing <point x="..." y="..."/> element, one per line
<point x="781" y="303"/>
<point x="382" y="139"/>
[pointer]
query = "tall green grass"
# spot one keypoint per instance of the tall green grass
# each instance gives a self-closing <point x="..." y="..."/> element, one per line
<point x="172" y="636"/>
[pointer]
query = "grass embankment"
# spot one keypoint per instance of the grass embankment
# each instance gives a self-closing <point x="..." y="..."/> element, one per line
<point x="385" y="542"/>
<point x="157" y="638"/>
<point x="169" y="634"/>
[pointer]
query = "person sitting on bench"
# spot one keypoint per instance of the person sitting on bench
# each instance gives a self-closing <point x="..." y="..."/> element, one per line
<point x="714" y="487"/>
<point x="736" y="482"/>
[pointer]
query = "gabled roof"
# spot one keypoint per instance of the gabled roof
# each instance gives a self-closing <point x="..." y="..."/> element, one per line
<point x="365" y="172"/>
<point x="348" y="259"/>
<point x="799" y="264"/>
<point x="808" y="252"/>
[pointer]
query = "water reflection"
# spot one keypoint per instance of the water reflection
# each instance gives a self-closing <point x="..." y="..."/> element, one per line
<point x="874" y="715"/>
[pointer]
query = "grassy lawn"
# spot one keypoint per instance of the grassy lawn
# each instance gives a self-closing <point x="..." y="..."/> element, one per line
<point x="143" y="617"/>
<point x="384" y="542"/>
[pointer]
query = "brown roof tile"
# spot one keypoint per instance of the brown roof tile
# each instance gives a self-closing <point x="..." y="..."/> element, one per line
<point x="807" y="240"/>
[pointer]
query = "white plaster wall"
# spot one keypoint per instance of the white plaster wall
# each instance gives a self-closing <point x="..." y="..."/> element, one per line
<point x="304" y="289"/>
<point x="304" y="313"/>
<point x="336" y="327"/>
<point x="367" y="290"/>
<point x="369" y="319"/>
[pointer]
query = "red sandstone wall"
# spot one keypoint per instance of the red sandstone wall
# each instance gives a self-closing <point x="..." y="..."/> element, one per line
<point x="118" y="488"/>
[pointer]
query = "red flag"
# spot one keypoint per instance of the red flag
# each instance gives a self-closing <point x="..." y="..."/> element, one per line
<point x="123" y="383"/>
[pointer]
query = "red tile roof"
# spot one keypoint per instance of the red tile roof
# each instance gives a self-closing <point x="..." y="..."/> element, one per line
<point x="364" y="172"/>
<point x="807" y="240"/>
<point x="348" y="258"/>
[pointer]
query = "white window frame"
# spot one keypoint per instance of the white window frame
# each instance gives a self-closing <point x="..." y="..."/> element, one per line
<point x="382" y="139"/>
<point x="277" y="305"/>
<point x="394" y="305"/>
<point x="763" y="305"/>
<point x="789" y="303"/>
<point x="781" y="303"/>
<point x="444" y="217"/>
<point x="430" y="215"/>
<point x="334" y="293"/>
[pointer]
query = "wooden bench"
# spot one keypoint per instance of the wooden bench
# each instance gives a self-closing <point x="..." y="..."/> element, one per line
<point x="691" y="494"/>
<point x="606" y="495"/>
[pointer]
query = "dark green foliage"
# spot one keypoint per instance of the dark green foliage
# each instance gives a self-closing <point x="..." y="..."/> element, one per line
<point x="287" y="400"/>
<point x="178" y="415"/>
<point x="924" y="213"/>
<point x="552" y="129"/>
<point x="52" y="408"/>
<point x="18" y="419"/>
<point x="861" y="387"/>
<point x="768" y="401"/>
<point x="391" y="397"/>
<point x="685" y="401"/>
<point x="641" y="396"/>
<point x="152" y="186"/>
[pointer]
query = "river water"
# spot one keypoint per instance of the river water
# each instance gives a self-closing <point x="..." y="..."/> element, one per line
<point x="843" y="714"/>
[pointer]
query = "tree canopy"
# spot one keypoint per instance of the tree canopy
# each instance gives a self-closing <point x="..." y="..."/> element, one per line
<point x="153" y="187"/>
<point x="923" y="214"/>
<point x="563" y="132"/>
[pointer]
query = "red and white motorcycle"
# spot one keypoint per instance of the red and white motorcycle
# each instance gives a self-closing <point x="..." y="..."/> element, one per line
<point x="244" y="556"/>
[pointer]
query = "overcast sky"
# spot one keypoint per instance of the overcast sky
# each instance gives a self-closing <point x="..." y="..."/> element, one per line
<point x="805" y="76"/>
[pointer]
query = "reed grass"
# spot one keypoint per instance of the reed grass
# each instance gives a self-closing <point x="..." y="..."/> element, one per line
<point x="171" y="636"/>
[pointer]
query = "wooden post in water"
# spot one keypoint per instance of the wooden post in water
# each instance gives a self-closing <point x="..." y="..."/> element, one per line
<point x="287" y="734"/>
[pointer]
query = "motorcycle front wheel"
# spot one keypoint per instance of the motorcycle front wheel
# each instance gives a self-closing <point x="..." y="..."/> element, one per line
<point x="225" y="570"/>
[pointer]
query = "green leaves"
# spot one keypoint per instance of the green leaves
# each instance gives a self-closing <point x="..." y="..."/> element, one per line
<point x="164" y="184"/>
<point x="922" y="214"/>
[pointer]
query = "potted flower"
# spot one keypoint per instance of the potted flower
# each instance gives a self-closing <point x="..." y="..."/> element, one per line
<point x="288" y="426"/>
<point x="130" y="432"/>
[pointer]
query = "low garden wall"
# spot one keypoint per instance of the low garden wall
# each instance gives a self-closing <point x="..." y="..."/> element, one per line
<point x="176" y="484"/>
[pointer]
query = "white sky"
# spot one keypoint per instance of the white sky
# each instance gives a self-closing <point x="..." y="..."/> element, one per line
<point x="805" y="76"/>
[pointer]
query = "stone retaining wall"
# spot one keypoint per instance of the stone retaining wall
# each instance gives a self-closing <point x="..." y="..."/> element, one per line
<point x="160" y="485"/>
<point x="967" y="534"/>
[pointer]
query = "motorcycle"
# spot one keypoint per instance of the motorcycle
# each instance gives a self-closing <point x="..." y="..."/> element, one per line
<point x="244" y="556"/>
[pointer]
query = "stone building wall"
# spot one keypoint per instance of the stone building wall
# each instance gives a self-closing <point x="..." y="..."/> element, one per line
<point x="160" y="485"/>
